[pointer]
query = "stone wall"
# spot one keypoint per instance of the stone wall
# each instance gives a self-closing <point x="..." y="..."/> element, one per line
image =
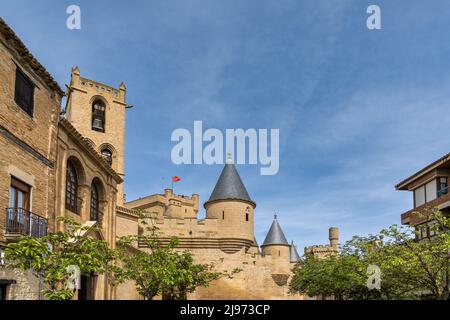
<point x="226" y="246"/>
<point x="27" y="142"/>
<point x="26" y="286"/>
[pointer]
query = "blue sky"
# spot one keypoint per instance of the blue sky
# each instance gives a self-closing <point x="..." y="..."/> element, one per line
<point x="357" y="110"/>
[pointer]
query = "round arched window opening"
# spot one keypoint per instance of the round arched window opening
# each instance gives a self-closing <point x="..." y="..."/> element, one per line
<point x="71" y="188"/>
<point x="98" y="116"/>
<point x="107" y="154"/>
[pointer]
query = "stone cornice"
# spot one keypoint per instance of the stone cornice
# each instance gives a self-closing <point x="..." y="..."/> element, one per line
<point x="127" y="211"/>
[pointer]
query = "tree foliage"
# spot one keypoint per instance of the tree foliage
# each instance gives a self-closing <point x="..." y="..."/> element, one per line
<point x="410" y="268"/>
<point x="161" y="269"/>
<point x="48" y="257"/>
<point x="423" y="264"/>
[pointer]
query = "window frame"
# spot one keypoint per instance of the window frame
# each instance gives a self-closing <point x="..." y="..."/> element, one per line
<point x="442" y="191"/>
<point x="18" y="98"/>
<point x="94" y="208"/>
<point x="108" y="158"/>
<point x="71" y="192"/>
<point x="98" y="115"/>
<point x="18" y="186"/>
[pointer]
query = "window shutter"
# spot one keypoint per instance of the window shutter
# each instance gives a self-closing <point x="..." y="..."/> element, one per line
<point x="24" y="92"/>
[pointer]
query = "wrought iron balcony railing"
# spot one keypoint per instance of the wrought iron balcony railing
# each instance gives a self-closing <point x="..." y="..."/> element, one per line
<point x="23" y="222"/>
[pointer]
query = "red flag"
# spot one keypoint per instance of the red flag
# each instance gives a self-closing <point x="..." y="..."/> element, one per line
<point x="175" y="179"/>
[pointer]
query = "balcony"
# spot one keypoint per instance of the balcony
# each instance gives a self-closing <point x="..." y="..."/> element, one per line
<point x="442" y="202"/>
<point x="21" y="222"/>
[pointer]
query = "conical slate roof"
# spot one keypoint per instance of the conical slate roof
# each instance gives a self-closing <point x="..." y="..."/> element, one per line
<point x="255" y="244"/>
<point x="229" y="186"/>
<point x="294" y="256"/>
<point x="275" y="236"/>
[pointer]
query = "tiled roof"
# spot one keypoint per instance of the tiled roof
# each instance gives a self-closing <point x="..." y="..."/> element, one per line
<point x="229" y="186"/>
<point x="293" y="254"/>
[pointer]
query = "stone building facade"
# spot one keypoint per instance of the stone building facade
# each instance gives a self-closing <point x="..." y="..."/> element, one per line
<point x="71" y="164"/>
<point x="430" y="190"/>
<point x="42" y="157"/>
<point x="29" y="109"/>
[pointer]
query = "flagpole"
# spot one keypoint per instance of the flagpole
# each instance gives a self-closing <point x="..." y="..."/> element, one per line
<point x="174" y="179"/>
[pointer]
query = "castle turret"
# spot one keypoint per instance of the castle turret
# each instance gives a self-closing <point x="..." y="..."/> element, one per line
<point x="231" y="205"/>
<point x="275" y="243"/>
<point x="293" y="254"/>
<point x="334" y="238"/>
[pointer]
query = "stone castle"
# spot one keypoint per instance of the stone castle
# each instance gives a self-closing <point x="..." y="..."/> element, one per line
<point x="71" y="164"/>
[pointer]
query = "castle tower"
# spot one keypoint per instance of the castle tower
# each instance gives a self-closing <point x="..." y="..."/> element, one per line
<point x="293" y="253"/>
<point x="275" y="243"/>
<point x="97" y="111"/>
<point x="334" y="238"/>
<point x="231" y="205"/>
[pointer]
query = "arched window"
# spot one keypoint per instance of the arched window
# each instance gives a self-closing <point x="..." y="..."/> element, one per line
<point x="107" y="154"/>
<point x="98" y="116"/>
<point x="71" y="188"/>
<point x="94" y="203"/>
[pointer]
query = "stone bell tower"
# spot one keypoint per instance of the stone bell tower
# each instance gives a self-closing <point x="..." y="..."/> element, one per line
<point x="97" y="111"/>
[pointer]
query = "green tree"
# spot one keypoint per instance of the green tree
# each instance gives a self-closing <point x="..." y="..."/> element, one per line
<point x="423" y="264"/>
<point x="342" y="277"/>
<point x="395" y="284"/>
<point x="410" y="268"/>
<point x="48" y="257"/>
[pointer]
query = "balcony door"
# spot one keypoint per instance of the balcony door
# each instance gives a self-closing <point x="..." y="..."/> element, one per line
<point x="19" y="204"/>
<point x="87" y="290"/>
